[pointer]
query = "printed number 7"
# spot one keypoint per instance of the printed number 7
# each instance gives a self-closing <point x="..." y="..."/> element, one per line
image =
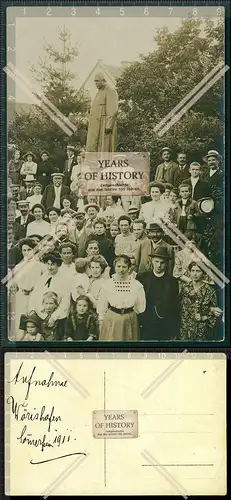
<point x="170" y="10"/>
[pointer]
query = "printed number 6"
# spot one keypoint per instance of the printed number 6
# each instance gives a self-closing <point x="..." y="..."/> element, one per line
<point x="146" y="11"/>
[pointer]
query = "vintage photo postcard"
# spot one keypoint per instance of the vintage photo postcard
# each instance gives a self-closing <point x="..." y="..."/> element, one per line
<point x="116" y="165"/>
<point x="76" y="434"/>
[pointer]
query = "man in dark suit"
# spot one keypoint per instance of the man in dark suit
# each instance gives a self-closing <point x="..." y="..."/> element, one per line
<point x="27" y="190"/>
<point x="45" y="169"/>
<point x="182" y="172"/>
<point x="54" y="192"/>
<point x="212" y="173"/>
<point x="200" y="189"/>
<point x="69" y="164"/>
<point x="14" y="253"/>
<point x="155" y="235"/>
<point x="23" y="220"/>
<point x="161" y="318"/>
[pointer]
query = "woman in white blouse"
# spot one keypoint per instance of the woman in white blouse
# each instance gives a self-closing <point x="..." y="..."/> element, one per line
<point x="54" y="218"/>
<point x="39" y="225"/>
<point x="36" y="197"/>
<point x="29" y="166"/>
<point x="25" y="276"/>
<point x="97" y="266"/>
<point x="157" y="208"/>
<point x="120" y="301"/>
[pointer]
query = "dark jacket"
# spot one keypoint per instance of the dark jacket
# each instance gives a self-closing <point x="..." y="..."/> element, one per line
<point x="48" y="197"/>
<point x="67" y="174"/>
<point x="14" y="256"/>
<point x="202" y="189"/>
<point x="166" y="174"/>
<point x="191" y="208"/>
<point x="180" y="175"/>
<point x="161" y="318"/>
<point x="81" y="329"/>
<point x="44" y="171"/>
<point x="144" y="252"/>
<point x="20" y="229"/>
<point x="106" y="247"/>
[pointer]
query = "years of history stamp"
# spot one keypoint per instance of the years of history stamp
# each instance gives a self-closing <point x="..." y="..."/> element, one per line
<point x="115" y="424"/>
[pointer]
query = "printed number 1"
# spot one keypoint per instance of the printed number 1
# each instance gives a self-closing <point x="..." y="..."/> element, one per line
<point x="98" y="12"/>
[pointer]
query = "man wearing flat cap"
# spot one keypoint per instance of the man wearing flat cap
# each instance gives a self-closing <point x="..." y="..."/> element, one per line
<point x="161" y="319"/>
<point x="101" y="134"/>
<point x="166" y="170"/>
<point x="54" y="192"/>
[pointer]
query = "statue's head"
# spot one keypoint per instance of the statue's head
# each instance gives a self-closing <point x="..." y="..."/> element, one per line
<point x="100" y="81"/>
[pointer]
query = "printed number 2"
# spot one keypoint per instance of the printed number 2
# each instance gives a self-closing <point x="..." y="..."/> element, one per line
<point x="48" y="11"/>
<point x="12" y="49"/>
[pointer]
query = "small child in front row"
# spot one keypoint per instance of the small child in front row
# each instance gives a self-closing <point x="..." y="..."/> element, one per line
<point x="31" y="327"/>
<point x="50" y="303"/>
<point x="82" y="323"/>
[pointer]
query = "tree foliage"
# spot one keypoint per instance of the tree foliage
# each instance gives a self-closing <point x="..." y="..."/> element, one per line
<point x="35" y="129"/>
<point x="151" y="88"/>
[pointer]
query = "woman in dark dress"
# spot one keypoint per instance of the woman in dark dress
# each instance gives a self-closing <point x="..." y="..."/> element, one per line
<point x="197" y="300"/>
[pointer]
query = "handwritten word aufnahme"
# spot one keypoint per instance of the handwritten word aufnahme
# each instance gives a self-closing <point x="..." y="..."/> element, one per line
<point x="29" y="380"/>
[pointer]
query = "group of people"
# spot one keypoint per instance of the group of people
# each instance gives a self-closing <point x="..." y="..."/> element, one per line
<point x="85" y="268"/>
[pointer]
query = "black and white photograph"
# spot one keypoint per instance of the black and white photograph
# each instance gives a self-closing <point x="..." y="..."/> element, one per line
<point x="141" y="260"/>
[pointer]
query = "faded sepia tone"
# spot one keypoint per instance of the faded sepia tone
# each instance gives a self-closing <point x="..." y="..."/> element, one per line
<point x="136" y="260"/>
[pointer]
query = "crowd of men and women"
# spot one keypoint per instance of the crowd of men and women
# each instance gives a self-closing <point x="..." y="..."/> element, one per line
<point x="112" y="268"/>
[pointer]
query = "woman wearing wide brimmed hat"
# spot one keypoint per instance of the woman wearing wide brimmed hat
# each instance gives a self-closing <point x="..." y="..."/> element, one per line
<point x="29" y="166"/>
<point x="25" y="276"/>
<point x="120" y="302"/>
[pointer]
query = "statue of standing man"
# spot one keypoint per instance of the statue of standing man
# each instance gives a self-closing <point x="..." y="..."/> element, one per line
<point x="101" y="134"/>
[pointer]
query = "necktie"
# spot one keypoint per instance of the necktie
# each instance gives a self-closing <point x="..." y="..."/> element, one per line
<point x="183" y="213"/>
<point x="48" y="282"/>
